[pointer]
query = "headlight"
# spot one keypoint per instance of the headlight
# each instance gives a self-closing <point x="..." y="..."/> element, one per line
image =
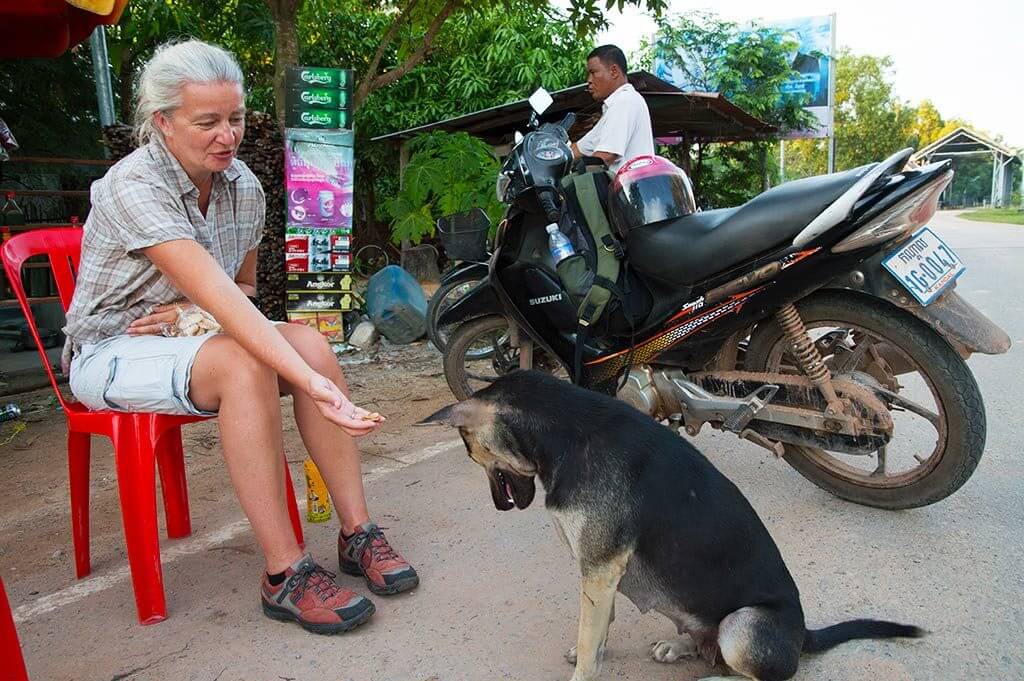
<point x="502" y="186"/>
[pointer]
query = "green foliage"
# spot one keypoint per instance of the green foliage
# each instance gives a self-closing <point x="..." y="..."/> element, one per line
<point x="874" y="123"/>
<point x="871" y="122"/>
<point x="749" y="67"/>
<point x="480" y="60"/>
<point x="928" y="125"/>
<point x="242" y="26"/>
<point x="50" y="105"/>
<point x="489" y="57"/>
<point x="589" y="15"/>
<point x="446" y="174"/>
<point x="1012" y="216"/>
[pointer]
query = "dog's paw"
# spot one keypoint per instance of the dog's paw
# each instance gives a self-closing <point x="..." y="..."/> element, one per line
<point x="570" y="655"/>
<point x="673" y="649"/>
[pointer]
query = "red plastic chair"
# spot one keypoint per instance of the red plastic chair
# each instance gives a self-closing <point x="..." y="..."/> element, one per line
<point x="12" y="664"/>
<point x="142" y="441"/>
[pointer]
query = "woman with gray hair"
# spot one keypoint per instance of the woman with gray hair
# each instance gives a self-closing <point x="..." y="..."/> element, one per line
<point x="178" y="222"/>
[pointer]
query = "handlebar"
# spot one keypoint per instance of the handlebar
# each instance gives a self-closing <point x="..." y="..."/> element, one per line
<point x="548" y="203"/>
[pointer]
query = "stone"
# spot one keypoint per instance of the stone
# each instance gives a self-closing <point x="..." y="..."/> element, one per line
<point x="364" y="335"/>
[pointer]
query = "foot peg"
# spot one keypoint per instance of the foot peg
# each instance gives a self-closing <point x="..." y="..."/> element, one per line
<point x="752" y="403"/>
<point x="733" y="412"/>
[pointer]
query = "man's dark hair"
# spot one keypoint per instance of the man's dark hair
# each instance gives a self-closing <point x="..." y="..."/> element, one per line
<point x="609" y="54"/>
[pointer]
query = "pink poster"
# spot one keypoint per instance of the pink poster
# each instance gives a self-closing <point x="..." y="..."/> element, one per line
<point x="319" y="177"/>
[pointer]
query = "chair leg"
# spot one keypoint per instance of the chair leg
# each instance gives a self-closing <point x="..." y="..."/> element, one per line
<point x="78" y="481"/>
<point x="170" y="459"/>
<point x="293" y="507"/>
<point x="10" y="649"/>
<point x="136" y="479"/>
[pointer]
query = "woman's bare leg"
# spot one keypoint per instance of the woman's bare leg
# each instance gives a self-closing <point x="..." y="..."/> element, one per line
<point x="334" y="451"/>
<point x="228" y="379"/>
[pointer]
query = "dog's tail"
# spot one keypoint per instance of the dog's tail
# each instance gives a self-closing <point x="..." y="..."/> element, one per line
<point x="818" y="640"/>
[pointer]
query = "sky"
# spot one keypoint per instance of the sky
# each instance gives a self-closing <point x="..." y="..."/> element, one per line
<point x="969" y="60"/>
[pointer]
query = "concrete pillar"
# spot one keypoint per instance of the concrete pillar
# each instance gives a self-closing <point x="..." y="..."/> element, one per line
<point x="1009" y="168"/>
<point x="995" y="180"/>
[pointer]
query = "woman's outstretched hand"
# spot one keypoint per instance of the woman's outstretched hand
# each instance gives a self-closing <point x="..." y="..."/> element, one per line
<point x="339" y="410"/>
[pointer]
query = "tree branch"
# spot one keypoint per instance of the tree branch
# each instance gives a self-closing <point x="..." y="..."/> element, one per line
<point x="373" y="82"/>
<point x="371" y="72"/>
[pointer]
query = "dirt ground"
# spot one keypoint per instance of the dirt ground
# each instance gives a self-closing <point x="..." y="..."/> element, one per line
<point x="499" y="596"/>
<point x="405" y="383"/>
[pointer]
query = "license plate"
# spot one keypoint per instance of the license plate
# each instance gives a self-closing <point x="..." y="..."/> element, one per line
<point x="925" y="266"/>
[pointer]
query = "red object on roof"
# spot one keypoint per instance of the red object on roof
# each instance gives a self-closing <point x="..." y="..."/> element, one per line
<point x="48" y="28"/>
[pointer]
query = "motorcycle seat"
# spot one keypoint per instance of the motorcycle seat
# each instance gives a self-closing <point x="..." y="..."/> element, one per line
<point x="687" y="250"/>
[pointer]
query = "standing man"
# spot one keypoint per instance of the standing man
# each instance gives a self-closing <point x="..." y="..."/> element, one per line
<point x="624" y="130"/>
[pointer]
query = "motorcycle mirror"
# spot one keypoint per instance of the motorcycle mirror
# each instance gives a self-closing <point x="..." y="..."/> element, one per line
<point x="540" y="100"/>
<point x="518" y="137"/>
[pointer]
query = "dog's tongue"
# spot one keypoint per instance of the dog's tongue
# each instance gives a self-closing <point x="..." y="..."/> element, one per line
<point x="508" y="493"/>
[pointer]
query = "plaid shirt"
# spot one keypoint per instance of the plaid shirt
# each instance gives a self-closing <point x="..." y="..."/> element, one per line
<point x="146" y="199"/>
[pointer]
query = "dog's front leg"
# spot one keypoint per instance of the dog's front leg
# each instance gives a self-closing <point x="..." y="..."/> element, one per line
<point x="597" y="602"/>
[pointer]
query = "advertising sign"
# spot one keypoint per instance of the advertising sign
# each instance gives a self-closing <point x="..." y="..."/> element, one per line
<point x="812" y="58"/>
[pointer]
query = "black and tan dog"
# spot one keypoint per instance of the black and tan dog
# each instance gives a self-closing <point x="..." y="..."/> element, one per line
<point x="646" y="514"/>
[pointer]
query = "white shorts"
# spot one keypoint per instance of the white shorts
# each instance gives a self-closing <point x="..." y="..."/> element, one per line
<point x="137" y="374"/>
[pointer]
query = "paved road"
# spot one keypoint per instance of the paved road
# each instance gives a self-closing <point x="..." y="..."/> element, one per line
<point x="498" y="599"/>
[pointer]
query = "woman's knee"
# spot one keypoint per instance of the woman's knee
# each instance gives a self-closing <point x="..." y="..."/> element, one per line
<point x="227" y="365"/>
<point x="312" y="347"/>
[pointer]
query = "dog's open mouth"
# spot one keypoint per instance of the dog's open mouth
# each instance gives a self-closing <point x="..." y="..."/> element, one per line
<point x="510" y="490"/>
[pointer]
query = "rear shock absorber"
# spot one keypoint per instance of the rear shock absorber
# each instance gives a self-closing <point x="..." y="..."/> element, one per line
<point x="807" y="355"/>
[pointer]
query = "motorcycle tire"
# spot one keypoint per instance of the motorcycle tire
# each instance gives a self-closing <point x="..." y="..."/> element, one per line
<point x="957" y="451"/>
<point x="439" y="302"/>
<point x="499" y="359"/>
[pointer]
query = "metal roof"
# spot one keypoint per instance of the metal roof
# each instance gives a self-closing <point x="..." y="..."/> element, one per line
<point x="963" y="142"/>
<point x="701" y="116"/>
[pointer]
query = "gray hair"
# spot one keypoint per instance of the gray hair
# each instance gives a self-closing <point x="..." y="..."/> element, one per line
<point x="173" y="66"/>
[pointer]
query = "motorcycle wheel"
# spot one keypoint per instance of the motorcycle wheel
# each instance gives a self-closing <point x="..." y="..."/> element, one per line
<point x="443" y="298"/>
<point x="902" y="354"/>
<point x="479" y="351"/>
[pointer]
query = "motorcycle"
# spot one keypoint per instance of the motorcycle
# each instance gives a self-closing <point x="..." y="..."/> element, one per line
<point x="818" y="320"/>
<point x="464" y="239"/>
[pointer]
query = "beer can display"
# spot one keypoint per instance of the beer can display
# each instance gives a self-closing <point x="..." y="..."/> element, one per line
<point x="319" y="168"/>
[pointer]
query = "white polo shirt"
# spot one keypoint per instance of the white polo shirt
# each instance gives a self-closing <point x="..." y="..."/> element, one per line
<point x="624" y="128"/>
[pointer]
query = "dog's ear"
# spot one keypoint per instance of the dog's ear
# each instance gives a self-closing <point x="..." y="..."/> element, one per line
<point x="466" y="414"/>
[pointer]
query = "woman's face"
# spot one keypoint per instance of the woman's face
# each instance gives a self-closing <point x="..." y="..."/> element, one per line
<point x="205" y="131"/>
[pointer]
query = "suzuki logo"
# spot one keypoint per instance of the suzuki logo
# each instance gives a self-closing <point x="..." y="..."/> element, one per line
<point x="546" y="299"/>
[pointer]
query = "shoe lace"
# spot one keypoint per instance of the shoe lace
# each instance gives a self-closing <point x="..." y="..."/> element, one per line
<point x="379" y="546"/>
<point x="318" y="579"/>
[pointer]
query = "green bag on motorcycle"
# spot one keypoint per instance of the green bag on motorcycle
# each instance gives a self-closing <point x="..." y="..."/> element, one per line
<point x="590" y="276"/>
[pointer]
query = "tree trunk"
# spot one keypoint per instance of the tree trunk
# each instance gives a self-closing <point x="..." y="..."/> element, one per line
<point x="286" y="47"/>
<point x="125" y="86"/>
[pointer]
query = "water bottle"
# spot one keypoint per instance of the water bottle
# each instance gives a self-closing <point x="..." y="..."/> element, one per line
<point x="10" y="412"/>
<point x="559" y="244"/>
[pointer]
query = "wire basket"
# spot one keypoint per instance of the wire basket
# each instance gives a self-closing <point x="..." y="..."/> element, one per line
<point x="464" y="235"/>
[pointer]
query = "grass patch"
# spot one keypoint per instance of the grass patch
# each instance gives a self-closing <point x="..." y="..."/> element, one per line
<point x="1010" y="216"/>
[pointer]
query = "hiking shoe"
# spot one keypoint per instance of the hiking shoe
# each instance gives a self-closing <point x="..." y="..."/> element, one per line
<point x="368" y="553"/>
<point x="309" y="596"/>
